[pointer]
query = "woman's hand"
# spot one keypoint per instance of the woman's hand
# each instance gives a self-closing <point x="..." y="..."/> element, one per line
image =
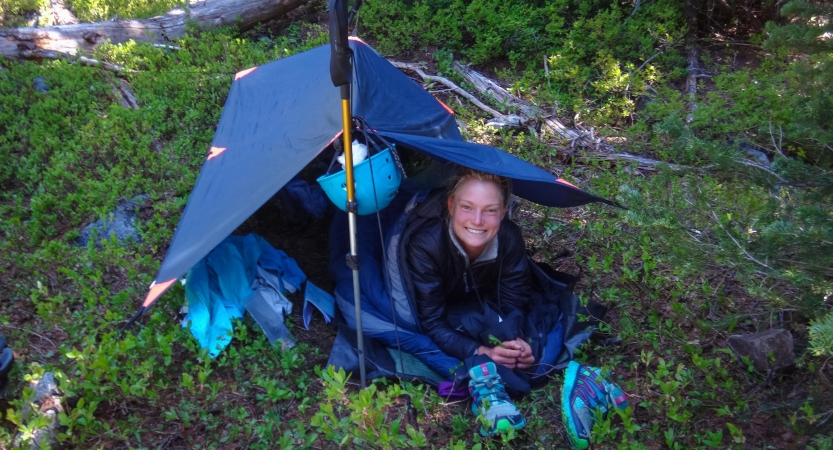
<point x="511" y="354"/>
<point x="507" y="354"/>
<point x="525" y="360"/>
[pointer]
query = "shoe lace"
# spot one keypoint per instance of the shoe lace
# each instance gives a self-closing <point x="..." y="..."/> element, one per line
<point x="490" y="389"/>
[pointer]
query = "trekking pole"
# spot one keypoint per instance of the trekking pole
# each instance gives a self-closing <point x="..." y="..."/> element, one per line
<point x="341" y="72"/>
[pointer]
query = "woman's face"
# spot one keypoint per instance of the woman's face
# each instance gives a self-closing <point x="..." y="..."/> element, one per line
<point x="476" y="209"/>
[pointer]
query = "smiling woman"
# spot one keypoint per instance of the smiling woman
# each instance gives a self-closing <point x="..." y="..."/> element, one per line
<point x="471" y="284"/>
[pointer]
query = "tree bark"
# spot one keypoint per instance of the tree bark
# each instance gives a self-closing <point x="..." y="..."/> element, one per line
<point x="83" y="38"/>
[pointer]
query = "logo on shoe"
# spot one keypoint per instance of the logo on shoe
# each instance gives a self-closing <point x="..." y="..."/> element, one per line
<point x="485" y="369"/>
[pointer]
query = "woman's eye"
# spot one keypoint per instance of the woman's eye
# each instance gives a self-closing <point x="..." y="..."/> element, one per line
<point x="466" y="207"/>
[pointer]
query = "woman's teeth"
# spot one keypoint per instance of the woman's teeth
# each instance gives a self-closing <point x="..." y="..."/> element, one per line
<point x="470" y="230"/>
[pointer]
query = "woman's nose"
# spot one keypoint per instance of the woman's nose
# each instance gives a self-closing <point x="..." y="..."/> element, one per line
<point x="478" y="218"/>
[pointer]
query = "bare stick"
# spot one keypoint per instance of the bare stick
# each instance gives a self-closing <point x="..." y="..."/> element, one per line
<point x="751" y="164"/>
<point x="636" y="7"/>
<point x="780" y="139"/>
<point x="83" y="60"/>
<point x="166" y="46"/>
<point x="128" y="100"/>
<point x="644" y="163"/>
<point x="693" y="64"/>
<point x="748" y="256"/>
<point x="448" y="83"/>
<point x="32" y="332"/>
<point x="648" y="60"/>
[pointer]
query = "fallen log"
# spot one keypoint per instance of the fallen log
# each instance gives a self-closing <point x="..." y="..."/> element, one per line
<point x="527" y="110"/>
<point x="83" y="38"/>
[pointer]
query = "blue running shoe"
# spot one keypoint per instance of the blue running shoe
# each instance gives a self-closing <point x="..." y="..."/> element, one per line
<point x="585" y="391"/>
<point x="491" y="403"/>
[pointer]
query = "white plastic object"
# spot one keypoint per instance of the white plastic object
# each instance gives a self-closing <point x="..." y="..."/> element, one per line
<point x="359" y="153"/>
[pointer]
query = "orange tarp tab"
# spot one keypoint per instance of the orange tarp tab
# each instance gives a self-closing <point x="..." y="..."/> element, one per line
<point x="215" y="151"/>
<point x="450" y="111"/>
<point x="156" y="290"/>
<point x="243" y="73"/>
<point x="338" y="135"/>
<point x="563" y="181"/>
<point x="354" y="38"/>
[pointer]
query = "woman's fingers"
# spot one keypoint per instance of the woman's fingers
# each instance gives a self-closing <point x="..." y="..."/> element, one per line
<point x="506" y="352"/>
<point x="529" y="359"/>
<point x="526" y="349"/>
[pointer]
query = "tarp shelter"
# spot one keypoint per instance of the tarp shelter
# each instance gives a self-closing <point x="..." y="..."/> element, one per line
<point x="281" y="115"/>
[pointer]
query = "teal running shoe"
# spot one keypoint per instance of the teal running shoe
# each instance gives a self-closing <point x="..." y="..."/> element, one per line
<point x="585" y="391"/>
<point x="491" y="403"/>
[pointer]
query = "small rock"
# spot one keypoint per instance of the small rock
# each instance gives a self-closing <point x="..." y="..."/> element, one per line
<point x="48" y="402"/>
<point x="642" y="102"/>
<point x="611" y="342"/>
<point x="759" y="346"/>
<point x="757" y="156"/>
<point x="120" y="221"/>
<point x="39" y="84"/>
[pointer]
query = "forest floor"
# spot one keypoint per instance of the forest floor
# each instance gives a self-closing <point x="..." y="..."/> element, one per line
<point x="61" y="306"/>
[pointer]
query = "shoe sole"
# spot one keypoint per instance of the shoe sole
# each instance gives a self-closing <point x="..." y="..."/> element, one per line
<point x="570" y="377"/>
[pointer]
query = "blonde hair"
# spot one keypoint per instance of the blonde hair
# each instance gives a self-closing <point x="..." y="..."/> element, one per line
<point x="464" y="174"/>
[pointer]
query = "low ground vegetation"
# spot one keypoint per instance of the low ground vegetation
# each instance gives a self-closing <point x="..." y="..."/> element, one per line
<point x="710" y="246"/>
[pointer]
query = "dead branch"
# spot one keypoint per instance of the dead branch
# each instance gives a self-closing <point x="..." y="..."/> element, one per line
<point x="125" y="94"/>
<point x="530" y="112"/>
<point x="748" y="256"/>
<point x="17" y="43"/>
<point x="643" y="163"/>
<point x="83" y="60"/>
<point x="527" y="110"/>
<point x="635" y="8"/>
<point x="780" y="138"/>
<point x="448" y="83"/>
<point x="693" y="63"/>
<point x="760" y="167"/>
<point x="649" y="60"/>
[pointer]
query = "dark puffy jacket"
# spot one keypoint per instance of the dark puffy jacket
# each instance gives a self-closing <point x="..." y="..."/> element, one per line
<point x="442" y="280"/>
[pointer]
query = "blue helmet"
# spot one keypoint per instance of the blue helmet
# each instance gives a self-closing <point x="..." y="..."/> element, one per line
<point x="379" y="172"/>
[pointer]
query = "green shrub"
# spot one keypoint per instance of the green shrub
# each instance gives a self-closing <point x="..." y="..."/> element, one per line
<point x="20" y="6"/>
<point x="99" y="10"/>
<point x="809" y="76"/>
<point x="594" y="49"/>
<point x="821" y="334"/>
<point x="11" y="11"/>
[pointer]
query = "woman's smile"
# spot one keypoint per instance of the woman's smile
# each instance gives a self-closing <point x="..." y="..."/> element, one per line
<point x="475" y="210"/>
